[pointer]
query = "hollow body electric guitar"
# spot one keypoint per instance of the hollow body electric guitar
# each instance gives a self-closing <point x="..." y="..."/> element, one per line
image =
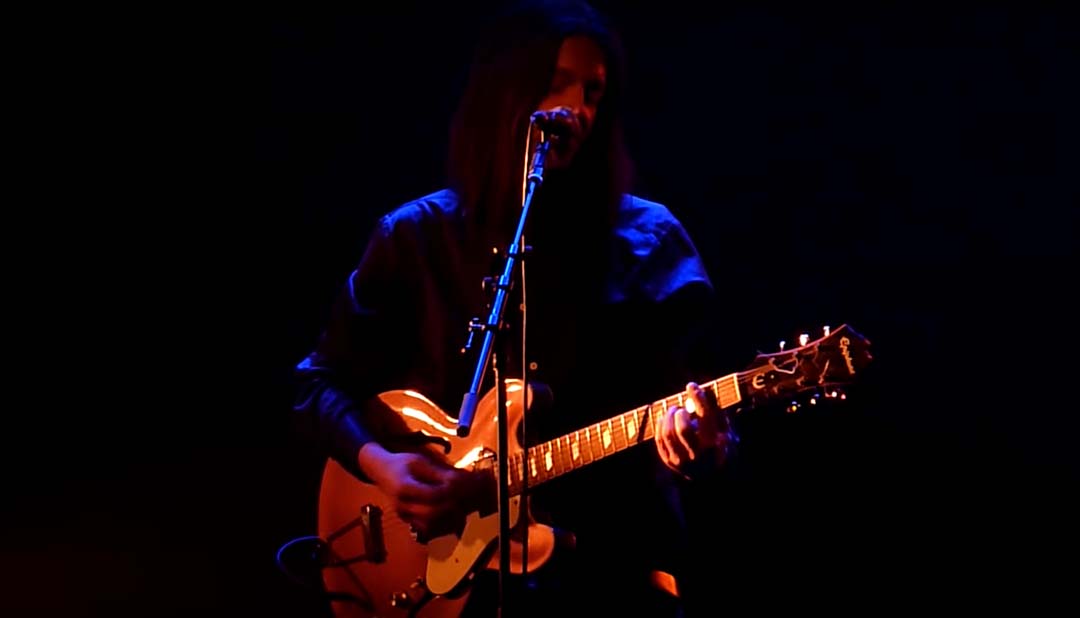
<point x="377" y="566"/>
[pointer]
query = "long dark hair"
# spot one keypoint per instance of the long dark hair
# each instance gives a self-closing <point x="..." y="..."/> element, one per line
<point x="511" y="73"/>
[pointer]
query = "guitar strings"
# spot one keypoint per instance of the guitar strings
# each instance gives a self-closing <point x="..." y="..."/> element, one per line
<point x="590" y="444"/>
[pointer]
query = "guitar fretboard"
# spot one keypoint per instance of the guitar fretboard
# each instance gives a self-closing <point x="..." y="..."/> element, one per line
<point x="580" y="448"/>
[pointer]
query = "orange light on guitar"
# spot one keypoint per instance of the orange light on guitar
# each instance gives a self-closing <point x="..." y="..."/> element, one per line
<point x="427" y="420"/>
<point x="470" y="458"/>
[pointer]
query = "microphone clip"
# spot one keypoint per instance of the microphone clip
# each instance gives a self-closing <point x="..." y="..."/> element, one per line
<point x="554" y="123"/>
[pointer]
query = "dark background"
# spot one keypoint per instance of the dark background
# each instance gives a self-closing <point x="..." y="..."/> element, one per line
<point x="910" y="172"/>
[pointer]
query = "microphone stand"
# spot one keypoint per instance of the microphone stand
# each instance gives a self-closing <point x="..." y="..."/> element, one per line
<point x="491" y="352"/>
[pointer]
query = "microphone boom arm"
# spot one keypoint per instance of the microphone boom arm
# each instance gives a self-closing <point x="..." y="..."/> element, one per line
<point x="502" y="290"/>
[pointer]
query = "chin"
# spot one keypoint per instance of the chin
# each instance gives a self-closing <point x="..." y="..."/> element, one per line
<point x="562" y="158"/>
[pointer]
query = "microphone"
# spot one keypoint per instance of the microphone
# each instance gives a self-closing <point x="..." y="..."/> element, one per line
<point x="558" y="122"/>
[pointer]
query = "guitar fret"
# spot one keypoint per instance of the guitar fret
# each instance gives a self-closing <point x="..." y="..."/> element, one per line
<point x="597" y="443"/>
<point x="557" y="467"/>
<point x="561" y="464"/>
<point x="549" y="464"/>
<point x="512" y="475"/>
<point x="536" y="475"/>
<point x="556" y="456"/>
<point x="576" y="459"/>
<point x="514" y="471"/>
<point x="606" y="436"/>
<point x="556" y="459"/>
<point x="559" y="453"/>
<point x="565" y="459"/>
<point x="736" y="396"/>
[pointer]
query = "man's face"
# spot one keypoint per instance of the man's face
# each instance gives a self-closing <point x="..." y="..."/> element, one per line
<point x="578" y="86"/>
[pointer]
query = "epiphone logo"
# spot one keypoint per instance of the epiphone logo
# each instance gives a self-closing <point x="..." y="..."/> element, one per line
<point x="844" y="343"/>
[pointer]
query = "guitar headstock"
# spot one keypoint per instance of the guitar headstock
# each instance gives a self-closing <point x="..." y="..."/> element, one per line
<point x="823" y="366"/>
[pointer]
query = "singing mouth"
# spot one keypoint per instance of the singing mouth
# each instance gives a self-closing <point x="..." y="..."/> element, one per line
<point x="564" y="146"/>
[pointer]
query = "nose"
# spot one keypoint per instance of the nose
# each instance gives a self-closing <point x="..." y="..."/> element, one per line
<point x="584" y="118"/>
<point x="573" y="102"/>
<point x="575" y="105"/>
<point x="577" y="102"/>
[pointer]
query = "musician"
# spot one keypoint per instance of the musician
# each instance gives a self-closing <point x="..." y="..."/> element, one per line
<point x="615" y="304"/>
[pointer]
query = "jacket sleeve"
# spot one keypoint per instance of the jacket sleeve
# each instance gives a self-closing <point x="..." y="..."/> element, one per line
<point x="692" y="309"/>
<point x="354" y="358"/>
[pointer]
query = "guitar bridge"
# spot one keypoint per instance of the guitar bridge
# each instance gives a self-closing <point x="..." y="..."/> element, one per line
<point x="371" y="530"/>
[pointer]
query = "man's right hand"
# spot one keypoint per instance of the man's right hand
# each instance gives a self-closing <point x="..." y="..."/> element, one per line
<point x="427" y="495"/>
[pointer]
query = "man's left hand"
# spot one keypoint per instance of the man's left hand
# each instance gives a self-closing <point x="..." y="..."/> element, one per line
<point x="693" y="437"/>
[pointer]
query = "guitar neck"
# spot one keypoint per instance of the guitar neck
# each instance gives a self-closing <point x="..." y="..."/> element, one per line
<point x="580" y="448"/>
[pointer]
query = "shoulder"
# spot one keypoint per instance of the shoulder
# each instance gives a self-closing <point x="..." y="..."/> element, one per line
<point x="409" y="228"/>
<point x="434" y="208"/>
<point x="417" y="223"/>
<point x="654" y="254"/>
<point x="643" y="224"/>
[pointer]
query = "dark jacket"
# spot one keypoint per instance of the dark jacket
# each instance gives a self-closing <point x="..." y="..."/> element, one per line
<point x="613" y="323"/>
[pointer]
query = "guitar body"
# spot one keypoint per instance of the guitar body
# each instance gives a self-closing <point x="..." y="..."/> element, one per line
<point x="376" y="561"/>
<point x="375" y="557"/>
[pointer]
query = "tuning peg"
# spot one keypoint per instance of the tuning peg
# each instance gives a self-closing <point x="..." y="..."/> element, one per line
<point x="825" y="329"/>
<point x="804" y="339"/>
<point x="782" y="342"/>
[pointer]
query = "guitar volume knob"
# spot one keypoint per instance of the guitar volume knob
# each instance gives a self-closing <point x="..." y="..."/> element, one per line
<point x="405" y="599"/>
<point x="400" y="600"/>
